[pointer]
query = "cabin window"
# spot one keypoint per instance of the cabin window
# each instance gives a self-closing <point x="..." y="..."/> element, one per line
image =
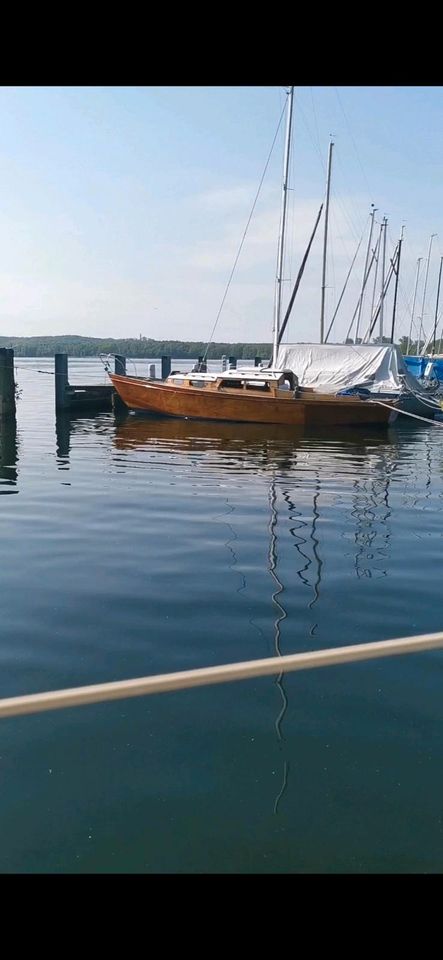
<point x="260" y="385"/>
<point x="197" y="383"/>
<point x="232" y="384"/>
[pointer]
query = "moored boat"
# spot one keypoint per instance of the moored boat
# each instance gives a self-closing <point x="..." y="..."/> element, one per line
<point x="247" y="396"/>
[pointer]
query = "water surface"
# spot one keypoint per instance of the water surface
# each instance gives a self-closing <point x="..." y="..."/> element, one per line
<point x="134" y="546"/>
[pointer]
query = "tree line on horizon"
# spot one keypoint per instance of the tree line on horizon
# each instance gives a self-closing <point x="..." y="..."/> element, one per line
<point x="146" y="348"/>
<point x="143" y="348"/>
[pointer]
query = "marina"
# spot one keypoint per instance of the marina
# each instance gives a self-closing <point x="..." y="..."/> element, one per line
<point x="220" y="558"/>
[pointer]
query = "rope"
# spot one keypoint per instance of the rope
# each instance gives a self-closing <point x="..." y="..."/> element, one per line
<point x="434" y="423"/>
<point x="50" y="373"/>
<point x="185" y="679"/>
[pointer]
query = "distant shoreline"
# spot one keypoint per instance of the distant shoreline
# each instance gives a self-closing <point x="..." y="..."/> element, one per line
<point x="141" y="348"/>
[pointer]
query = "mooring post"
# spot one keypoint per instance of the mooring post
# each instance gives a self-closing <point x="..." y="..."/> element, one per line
<point x="202" y="366"/>
<point x="120" y="365"/>
<point x="7" y="384"/>
<point x="61" y="381"/>
<point x="166" y="367"/>
<point x="257" y="361"/>
<point x="232" y="363"/>
<point x="152" y="371"/>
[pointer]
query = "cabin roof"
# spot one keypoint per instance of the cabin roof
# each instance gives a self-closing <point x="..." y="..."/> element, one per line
<point x="243" y="373"/>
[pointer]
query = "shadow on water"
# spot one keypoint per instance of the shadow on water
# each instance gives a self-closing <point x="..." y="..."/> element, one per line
<point x="8" y="456"/>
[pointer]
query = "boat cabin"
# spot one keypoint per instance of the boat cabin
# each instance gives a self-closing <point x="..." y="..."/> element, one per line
<point x="255" y="380"/>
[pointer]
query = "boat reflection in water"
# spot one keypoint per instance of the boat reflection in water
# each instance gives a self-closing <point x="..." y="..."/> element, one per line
<point x="271" y="442"/>
<point x="305" y="479"/>
<point x="8" y="456"/>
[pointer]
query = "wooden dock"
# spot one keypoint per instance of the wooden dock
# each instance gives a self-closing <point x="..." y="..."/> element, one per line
<point x="78" y="397"/>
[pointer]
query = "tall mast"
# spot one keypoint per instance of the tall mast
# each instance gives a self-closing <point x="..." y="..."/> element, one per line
<point x="424" y="293"/>
<point x="377" y="258"/>
<point x="434" y="331"/>
<point x="436" y="307"/>
<point x="383" y="267"/>
<point x="281" y="239"/>
<point x="365" y="272"/>
<point x="397" y="274"/>
<point x="325" y="244"/>
<point x="413" y="305"/>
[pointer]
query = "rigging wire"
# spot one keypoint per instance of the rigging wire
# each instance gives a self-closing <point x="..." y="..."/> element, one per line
<point x="346" y="282"/>
<point x="352" y="139"/>
<point x="244" y="234"/>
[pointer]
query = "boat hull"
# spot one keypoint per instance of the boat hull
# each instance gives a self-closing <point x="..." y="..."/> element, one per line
<point x="308" y="409"/>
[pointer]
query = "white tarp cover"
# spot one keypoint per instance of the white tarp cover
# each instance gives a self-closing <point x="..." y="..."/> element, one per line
<point x="330" y="367"/>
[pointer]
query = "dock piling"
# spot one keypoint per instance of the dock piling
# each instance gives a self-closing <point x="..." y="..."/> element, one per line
<point x="7" y="384"/>
<point x="61" y="381"/>
<point x="166" y="367"/>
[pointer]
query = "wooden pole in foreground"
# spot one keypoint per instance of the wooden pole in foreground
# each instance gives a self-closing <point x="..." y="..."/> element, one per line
<point x="184" y="679"/>
<point x="61" y="381"/>
<point x="7" y="384"/>
<point x="166" y="367"/>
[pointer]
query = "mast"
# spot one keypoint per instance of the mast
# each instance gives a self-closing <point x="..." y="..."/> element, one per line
<point x="424" y="295"/>
<point x="436" y="306"/>
<point x="364" y="272"/>
<point x="383" y="265"/>
<point x="297" y="282"/>
<point x="397" y="273"/>
<point x="413" y="305"/>
<point x="377" y="258"/>
<point x="383" y="293"/>
<point x="434" y="332"/>
<point x="281" y="239"/>
<point x="325" y="243"/>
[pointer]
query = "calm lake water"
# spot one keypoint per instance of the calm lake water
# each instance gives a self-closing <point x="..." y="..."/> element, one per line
<point x="133" y="547"/>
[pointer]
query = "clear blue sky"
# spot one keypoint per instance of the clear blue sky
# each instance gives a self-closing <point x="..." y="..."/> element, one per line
<point x="122" y="208"/>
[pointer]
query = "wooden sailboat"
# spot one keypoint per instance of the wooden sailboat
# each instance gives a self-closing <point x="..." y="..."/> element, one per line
<point x="245" y="396"/>
<point x="255" y="395"/>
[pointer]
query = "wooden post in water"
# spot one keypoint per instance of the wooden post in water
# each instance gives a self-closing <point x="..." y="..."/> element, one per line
<point x="120" y="365"/>
<point x="61" y="381"/>
<point x="232" y="363"/>
<point x="152" y="371"/>
<point x="7" y="384"/>
<point x="257" y="361"/>
<point x="166" y="367"/>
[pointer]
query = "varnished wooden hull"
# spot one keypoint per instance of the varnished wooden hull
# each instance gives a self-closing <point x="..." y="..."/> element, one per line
<point x="308" y="409"/>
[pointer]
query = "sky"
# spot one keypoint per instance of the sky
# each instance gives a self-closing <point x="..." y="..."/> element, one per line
<point x="122" y="209"/>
